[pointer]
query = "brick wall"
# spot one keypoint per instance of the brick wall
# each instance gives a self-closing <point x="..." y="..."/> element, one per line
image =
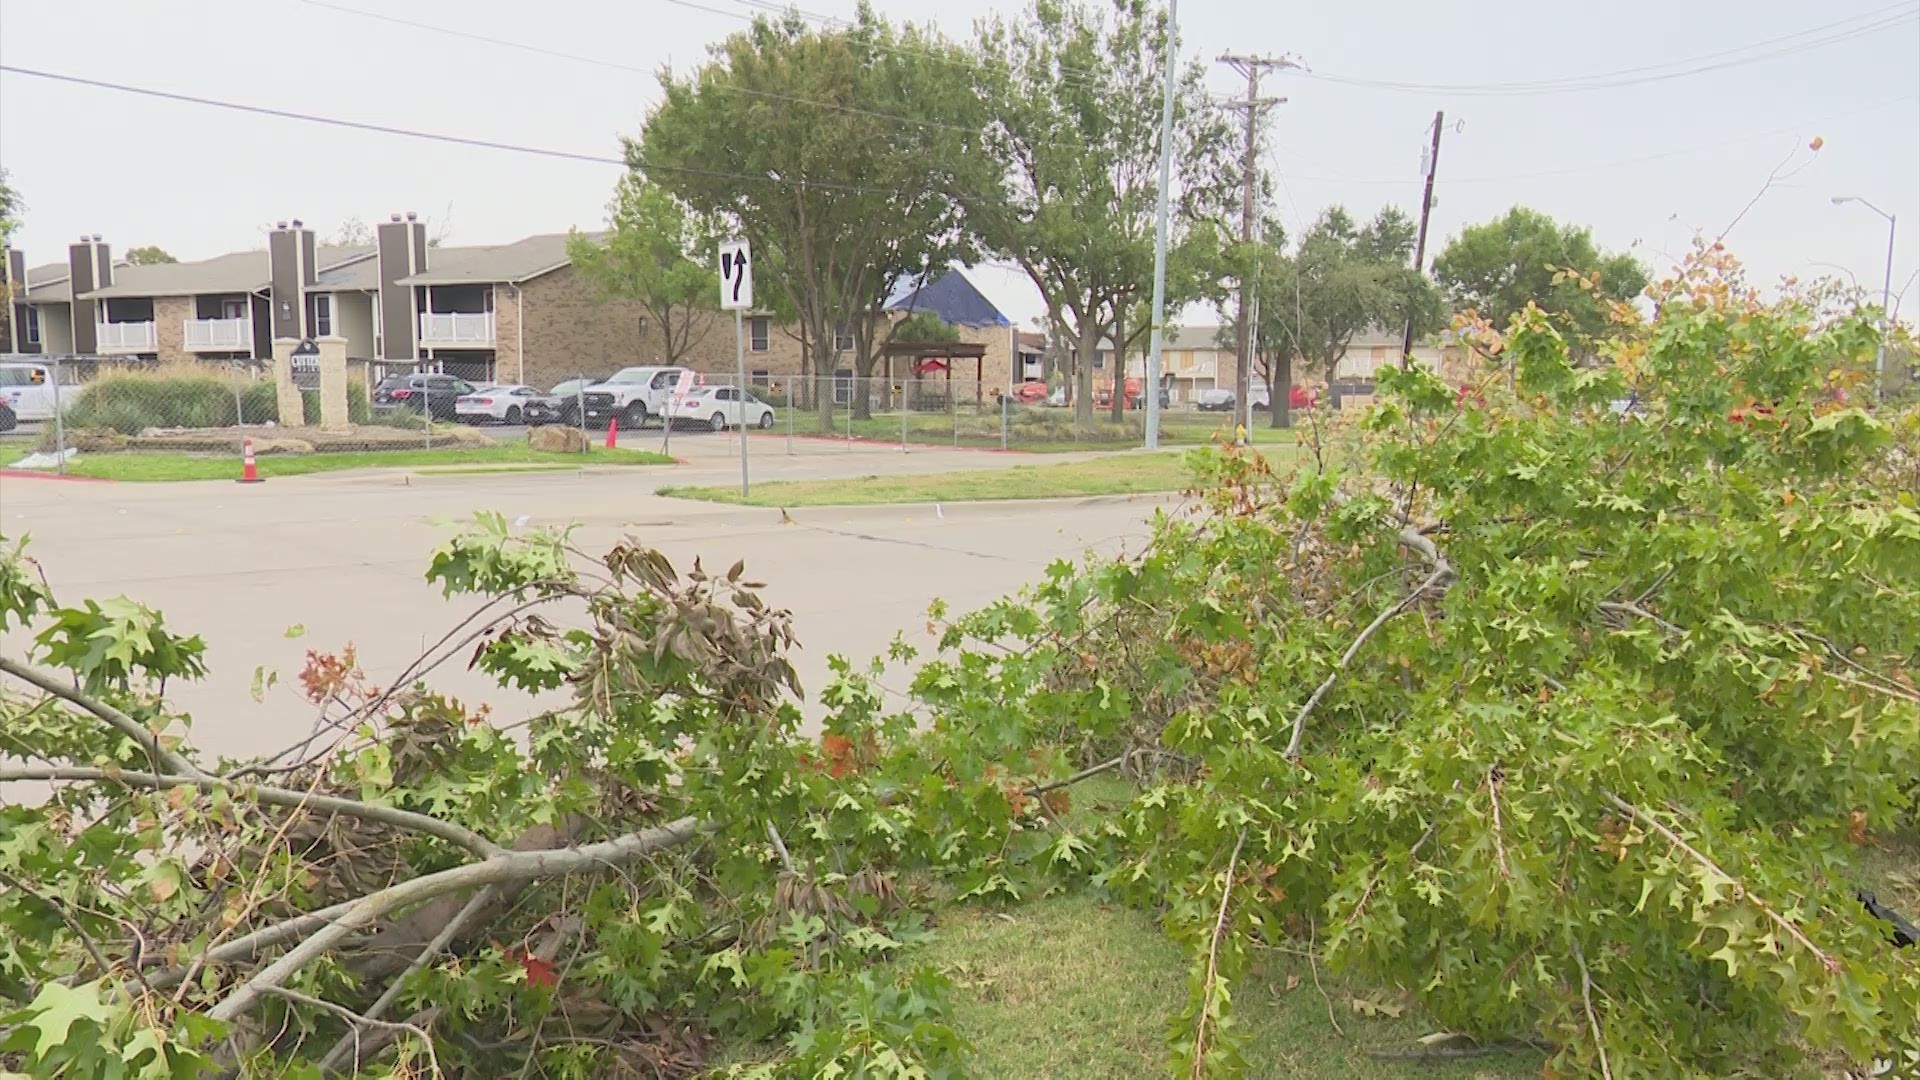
<point x="170" y="315"/>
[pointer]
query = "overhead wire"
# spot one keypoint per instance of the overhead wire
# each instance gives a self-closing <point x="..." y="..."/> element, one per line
<point x="618" y="66"/>
<point x="1800" y="41"/>
<point x="438" y="137"/>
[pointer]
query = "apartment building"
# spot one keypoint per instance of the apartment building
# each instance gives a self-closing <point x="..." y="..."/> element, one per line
<point x="509" y="312"/>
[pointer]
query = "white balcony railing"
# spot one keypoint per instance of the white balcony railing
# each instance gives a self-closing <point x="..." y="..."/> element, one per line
<point x="456" y="328"/>
<point x="124" y="336"/>
<point x="225" y="335"/>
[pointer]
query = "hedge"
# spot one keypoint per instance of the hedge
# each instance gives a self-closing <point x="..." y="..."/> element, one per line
<point x="189" y="396"/>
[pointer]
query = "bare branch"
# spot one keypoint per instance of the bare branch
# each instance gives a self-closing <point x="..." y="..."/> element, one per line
<point x="1593" y="1021"/>
<point x="351" y="1040"/>
<point x="1442" y="574"/>
<point x="516" y="866"/>
<point x="1091" y="771"/>
<point x="1213" y="961"/>
<point x="119" y="721"/>
<point x="359" y="1021"/>
<point x="272" y="796"/>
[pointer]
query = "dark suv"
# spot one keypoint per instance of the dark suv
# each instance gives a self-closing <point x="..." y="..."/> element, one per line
<point x="431" y="394"/>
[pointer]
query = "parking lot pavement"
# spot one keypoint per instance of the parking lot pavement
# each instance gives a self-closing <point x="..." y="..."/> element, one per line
<point x="342" y="558"/>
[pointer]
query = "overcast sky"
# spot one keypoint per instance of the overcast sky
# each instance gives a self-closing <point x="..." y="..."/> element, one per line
<point x="1645" y="165"/>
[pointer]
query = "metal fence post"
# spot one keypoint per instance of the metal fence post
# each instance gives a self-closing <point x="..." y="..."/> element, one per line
<point x="59" y="422"/>
<point x="905" y="385"/>
<point x="239" y="406"/>
<point x="790" y="395"/>
<point x="953" y="414"/>
<point x="1004" y="406"/>
<point x="580" y="408"/>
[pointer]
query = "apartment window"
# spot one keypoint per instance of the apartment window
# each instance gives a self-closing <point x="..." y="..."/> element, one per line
<point x="758" y="332"/>
<point x="32" y="324"/>
<point x="761" y="377"/>
<point x="233" y="309"/>
<point x="843" y="339"/>
<point x="322" y="315"/>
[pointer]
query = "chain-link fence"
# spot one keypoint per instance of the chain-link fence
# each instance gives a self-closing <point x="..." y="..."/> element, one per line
<point x="57" y="410"/>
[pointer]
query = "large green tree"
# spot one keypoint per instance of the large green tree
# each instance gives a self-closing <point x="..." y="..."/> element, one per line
<point x="657" y="255"/>
<point x="150" y="255"/>
<point x="1499" y="267"/>
<point x="836" y="152"/>
<point x="1075" y="92"/>
<point x="1340" y="280"/>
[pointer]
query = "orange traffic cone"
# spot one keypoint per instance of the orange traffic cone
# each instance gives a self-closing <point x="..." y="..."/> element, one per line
<point x="249" y="472"/>
<point x="613" y="432"/>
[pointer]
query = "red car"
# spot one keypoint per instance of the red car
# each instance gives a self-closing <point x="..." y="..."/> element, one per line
<point x="1031" y="392"/>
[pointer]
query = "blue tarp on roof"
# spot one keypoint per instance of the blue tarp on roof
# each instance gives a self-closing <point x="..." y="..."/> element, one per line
<point x="954" y="299"/>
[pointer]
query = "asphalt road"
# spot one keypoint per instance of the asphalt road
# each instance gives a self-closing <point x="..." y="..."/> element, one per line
<point x="342" y="558"/>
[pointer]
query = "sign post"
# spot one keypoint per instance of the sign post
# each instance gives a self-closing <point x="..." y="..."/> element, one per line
<point x="736" y="295"/>
<point x="676" y="401"/>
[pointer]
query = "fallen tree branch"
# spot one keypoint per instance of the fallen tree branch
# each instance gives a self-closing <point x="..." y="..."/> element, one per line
<point x="351" y="1041"/>
<point x="86" y="939"/>
<point x="1613" y="607"/>
<point x="1673" y="838"/>
<point x="114" y="718"/>
<point x="272" y="796"/>
<point x="504" y="868"/>
<point x="1593" y="1021"/>
<point x="1083" y="774"/>
<point x="1213" y="962"/>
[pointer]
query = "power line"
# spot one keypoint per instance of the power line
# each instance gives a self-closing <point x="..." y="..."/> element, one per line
<point x="1811" y="38"/>
<point x="618" y="66"/>
<point x="1638" y="159"/>
<point x="439" y="137"/>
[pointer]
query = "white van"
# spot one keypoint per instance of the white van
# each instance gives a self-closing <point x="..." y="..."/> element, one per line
<point x="27" y="391"/>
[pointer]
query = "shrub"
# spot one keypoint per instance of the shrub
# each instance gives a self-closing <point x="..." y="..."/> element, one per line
<point x="176" y="395"/>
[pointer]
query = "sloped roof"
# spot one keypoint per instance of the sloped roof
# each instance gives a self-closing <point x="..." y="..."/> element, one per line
<point x="954" y="299"/>
<point x="239" y="271"/>
<point x="493" y="263"/>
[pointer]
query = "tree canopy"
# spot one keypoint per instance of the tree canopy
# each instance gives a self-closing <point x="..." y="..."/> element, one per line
<point x="1497" y="268"/>
<point x="149" y="256"/>
<point x="1075" y="95"/>
<point x="1340" y="280"/>
<point x="657" y="255"/>
<point x="839" y="150"/>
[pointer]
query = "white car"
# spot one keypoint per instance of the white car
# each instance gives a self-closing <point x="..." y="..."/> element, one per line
<point x="27" y="392"/>
<point x="504" y="403"/>
<point x="722" y="407"/>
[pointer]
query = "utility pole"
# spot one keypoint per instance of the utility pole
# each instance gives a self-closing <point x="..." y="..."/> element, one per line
<point x="1157" y="333"/>
<point x="1251" y="67"/>
<point x="1420" y="245"/>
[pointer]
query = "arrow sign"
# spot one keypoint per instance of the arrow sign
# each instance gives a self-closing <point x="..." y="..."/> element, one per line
<point x="736" y="276"/>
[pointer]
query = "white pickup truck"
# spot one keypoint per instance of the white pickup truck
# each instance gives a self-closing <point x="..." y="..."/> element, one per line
<point x="635" y="395"/>
<point x="27" y="392"/>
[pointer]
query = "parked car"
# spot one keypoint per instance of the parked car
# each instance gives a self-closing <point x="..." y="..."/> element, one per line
<point x="27" y="393"/>
<point x="722" y="407"/>
<point x="1214" y="401"/>
<point x="420" y="392"/>
<point x="560" y="405"/>
<point x="1031" y="392"/>
<point x="502" y="402"/>
<point x="634" y="394"/>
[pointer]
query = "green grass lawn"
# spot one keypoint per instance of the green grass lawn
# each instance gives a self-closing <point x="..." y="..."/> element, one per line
<point x="157" y="467"/>
<point x="1029" y="428"/>
<point x="1119" y="474"/>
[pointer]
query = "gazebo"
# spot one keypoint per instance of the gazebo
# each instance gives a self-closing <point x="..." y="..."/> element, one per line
<point x="934" y="359"/>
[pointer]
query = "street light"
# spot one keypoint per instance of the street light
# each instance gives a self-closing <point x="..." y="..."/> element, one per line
<point x="1886" y="297"/>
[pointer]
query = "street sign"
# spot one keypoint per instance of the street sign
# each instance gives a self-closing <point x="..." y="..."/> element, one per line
<point x="736" y="276"/>
<point x="680" y="391"/>
<point x="305" y="362"/>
